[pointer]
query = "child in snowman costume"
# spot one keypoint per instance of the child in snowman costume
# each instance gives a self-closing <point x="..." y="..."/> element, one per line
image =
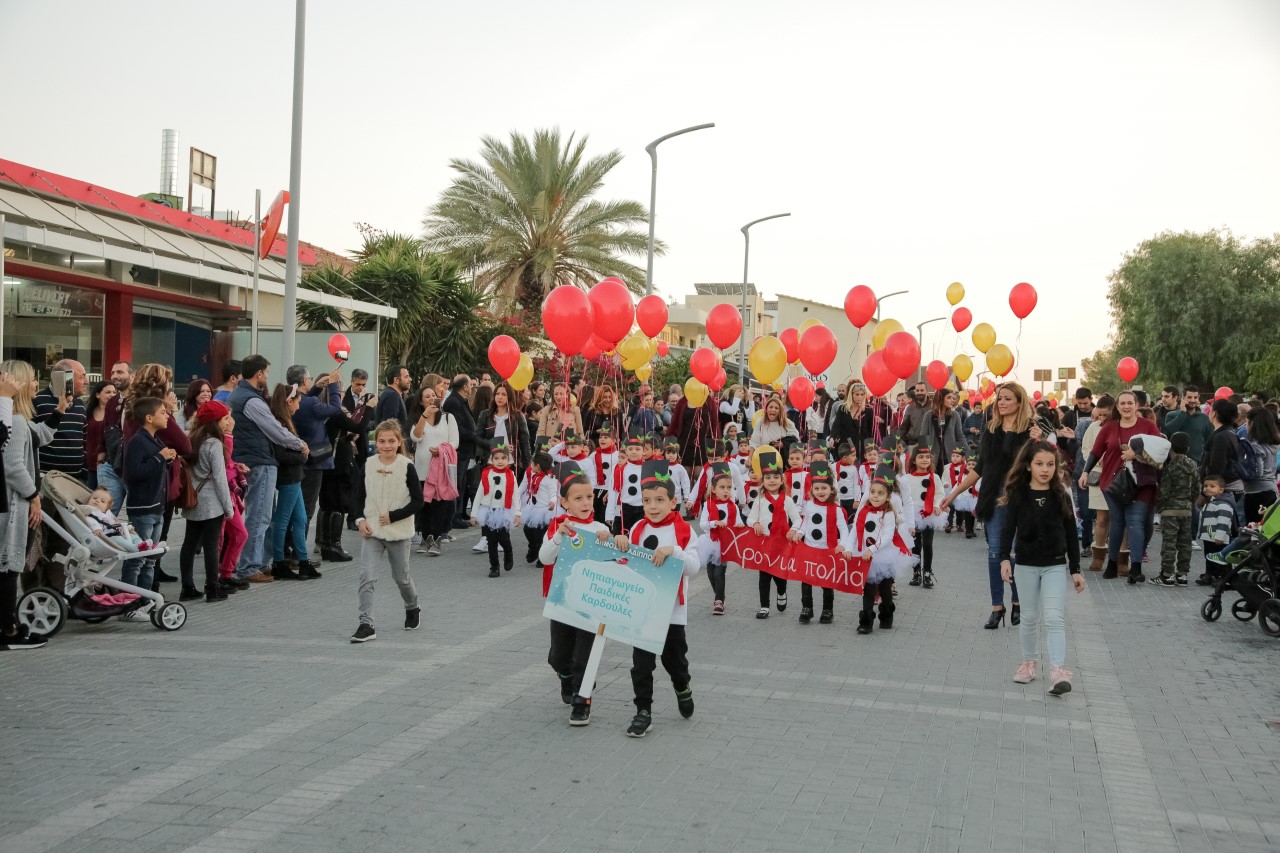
<point x="875" y="535"/>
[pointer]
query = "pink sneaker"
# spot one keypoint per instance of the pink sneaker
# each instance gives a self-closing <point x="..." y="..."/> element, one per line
<point x="717" y="608"/>
<point x="1061" y="678"/>
<point x="1026" y="673"/>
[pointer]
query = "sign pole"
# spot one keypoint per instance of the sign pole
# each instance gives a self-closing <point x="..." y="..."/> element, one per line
<point x="2" y="289"/>
<point x="257" y="249"/>
<point x="593" y="664"/>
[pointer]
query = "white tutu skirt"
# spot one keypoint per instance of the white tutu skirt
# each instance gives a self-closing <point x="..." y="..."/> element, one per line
<point x="889" y="564"/>
<point x="931" y="522"/>
<point x="708" y="550"/>
<point x="497" y="518"/>
<point x="965" y="502"/>
<point x="536" y="516"/>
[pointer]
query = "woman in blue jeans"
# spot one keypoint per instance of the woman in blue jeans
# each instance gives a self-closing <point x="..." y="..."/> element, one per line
<point x="1009" y="427"/>
<point x="1112" y="449"/>
<point x="290" y="515"/>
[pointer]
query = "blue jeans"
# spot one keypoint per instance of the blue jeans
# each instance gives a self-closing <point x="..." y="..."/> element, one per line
<point x="1046" y="589"/>
<point x="992" y="528"/>
<point x="110" y="480"/>
<point x="1088" y="517"/>
<point x="140" y="572"/>
<point x="1136" y="518"/>
<point x="258" y="498"/>
<point x="290" y="510"/>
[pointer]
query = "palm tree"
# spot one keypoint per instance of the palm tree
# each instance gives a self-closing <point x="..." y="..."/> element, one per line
<point x="524" y="220"/>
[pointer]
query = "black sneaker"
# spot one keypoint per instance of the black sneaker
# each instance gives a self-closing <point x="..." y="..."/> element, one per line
<point x="581" y="713"/>
<point x="566" y="688"/>
<point x="506" y="567"/>
<point x="928" y="580"/>
<point x="1204" y="580"/>
<point x="1136" y="578"/>
<point x="640" y="724"/>
<point x="22" y="641"/>
<point x="236" y="582"/>
<point x="190" y="593"/>
<point x="684" y="701"/>
<point x="1181" y="580"/>
<point x="1161" y="580"/>
<point x="364" y="634"/>
<point x="782" y="602"/>
<point x="493" y="572"/>
<point x="806" y="615"/>
<point x="915" y="578"/>
<point x="412" y="619"/>
<point x="826" y="618"/>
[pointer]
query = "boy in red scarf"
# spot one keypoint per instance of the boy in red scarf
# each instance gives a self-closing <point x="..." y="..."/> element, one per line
<point x="823" y="526"/>
<point x="773" y="514"/>
<point x="719" y="516"/>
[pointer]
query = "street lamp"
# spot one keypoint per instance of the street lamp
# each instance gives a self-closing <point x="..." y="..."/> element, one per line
<point x="920" y="330"/>
<point x="746" y="259"/>
<point x="880" y="300"/>
<point x="652" y="148"/>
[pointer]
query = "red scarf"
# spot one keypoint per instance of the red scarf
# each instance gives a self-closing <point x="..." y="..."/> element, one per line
<point x="547" y="570"/>
<point x="930" y="494"/>
<point x="701" y="486"/>
<point x="583" y="455"/>
<point x="778" y="522"/>
<point x="804" y="490"/>
<point x="600" y="484"/>
<point x="721" y="535"/>
<point x="618" y="470"/>
<point x="955" y="473"/>
<point x="683" y="537"/>
<point x="510" y="483"/>
<point x="860" y="527"/>
<point x="535" y="483"/>
<point x="833" y="531"/>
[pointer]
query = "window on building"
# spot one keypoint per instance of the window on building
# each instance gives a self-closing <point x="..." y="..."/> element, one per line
<point x="44" y="323"/>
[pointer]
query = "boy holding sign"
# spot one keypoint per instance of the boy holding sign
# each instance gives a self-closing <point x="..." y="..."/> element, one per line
<point x="664" y="532"/>
<point x="570" y="646"/>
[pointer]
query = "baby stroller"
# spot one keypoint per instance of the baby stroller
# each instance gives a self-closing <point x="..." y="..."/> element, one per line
<point x="86" y="561"/>
<point x="1253" y="572"/>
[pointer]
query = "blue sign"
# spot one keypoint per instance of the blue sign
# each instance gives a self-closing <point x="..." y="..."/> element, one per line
<point x="593" y="583"/>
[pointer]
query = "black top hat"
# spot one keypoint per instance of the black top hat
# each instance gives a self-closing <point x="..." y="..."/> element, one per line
<point x="720" y="469"/>
<point x="571" y="437"/>
<point x="816" y="444"/>
<point x="656" y="472"/>
<point x="820" y="472"/>
<point x="569" y="473"/>
<point x="770" y="461"/>
<point x="541" y="442"/>
<point x="604" y="429"/>
<point x="845" y="448"/>
<point x="884" y="475"/>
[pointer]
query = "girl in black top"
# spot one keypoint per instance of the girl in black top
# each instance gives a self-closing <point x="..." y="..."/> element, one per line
<point x="1040" y="526"/>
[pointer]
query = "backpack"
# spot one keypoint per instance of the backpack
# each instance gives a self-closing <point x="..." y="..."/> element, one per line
<point x="113" y="443"/>
<point x="1251" y="461"/>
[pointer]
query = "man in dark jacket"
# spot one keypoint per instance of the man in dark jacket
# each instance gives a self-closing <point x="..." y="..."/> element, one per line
<point x="456" y="404"/>
<point x="320" y="401"/>
<point x="391" y="401"/>
<point x="257" y="433"/>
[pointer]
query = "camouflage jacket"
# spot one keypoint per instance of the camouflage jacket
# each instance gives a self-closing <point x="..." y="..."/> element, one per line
<point x="1179" y="484"/>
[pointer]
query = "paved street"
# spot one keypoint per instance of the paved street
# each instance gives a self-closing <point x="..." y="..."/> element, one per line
<point x="259" y="727"/>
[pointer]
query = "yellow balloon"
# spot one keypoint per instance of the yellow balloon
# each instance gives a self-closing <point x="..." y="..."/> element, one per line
<point x="523" y="374"/>
<point x="644" y="371"/>
<point x="653" y="348"/>
<point x="695" y="392"/>
<point x="955" y="292"/>
<point x="962" y="367"/>
<point x="884" y="329"/>
<point x="777" y="386"/>
<point x="807" y="325"/>
<point x="984" y="337"/>
<point x="1000" y="360"/>
<point x="767" y="359"/>
<point x="634" y="350"/>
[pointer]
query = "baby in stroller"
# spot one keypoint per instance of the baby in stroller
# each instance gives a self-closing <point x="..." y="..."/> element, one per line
<point x="103" y="522"/>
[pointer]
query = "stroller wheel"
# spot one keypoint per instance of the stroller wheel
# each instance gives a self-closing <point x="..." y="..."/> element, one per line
<point x="1243" y="610"/>
<point x="171" y="617"/>
<point x="1269" y="617"/>
<point x="1211" y="609"/>
<point x="42" y="610"/>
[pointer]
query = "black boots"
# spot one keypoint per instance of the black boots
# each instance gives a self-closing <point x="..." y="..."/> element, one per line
<point x="280" y="571"/>
<point x="915" y="578"/>
<point x="214" y="592"/>
<point x="866" y="620"/>
<point x="1112" y="571"/>
<point x="886" y="612"/>
<point x="307" y="569"/>
<point x="928" y="578"/>
<point x="329" y="538"/>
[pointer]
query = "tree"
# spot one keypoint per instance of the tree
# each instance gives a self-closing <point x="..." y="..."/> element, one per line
<point x="1264" y="374"/>
<point x="524" y="220"/>
<point x="1100" y="372"/>
<point x="1192" y="306"/>
<point x="672" y="369"/>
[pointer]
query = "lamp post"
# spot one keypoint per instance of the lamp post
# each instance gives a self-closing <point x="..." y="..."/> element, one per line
<point x="652" y="148"/>
<point x="290" y="330"/>
<point x="746" y="260"/>
<point x="920" y="330"/>
<point x="880" y="300"/>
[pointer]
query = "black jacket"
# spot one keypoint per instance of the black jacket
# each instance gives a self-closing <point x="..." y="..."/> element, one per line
<point x="996" y="454"/>
<point x="456" y="405"/>
<point x="1222" y="455"/>
<point x="517" y="438"/>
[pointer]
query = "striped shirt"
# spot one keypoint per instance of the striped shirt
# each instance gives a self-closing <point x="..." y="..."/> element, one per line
<point x="1217" y="520"/>
<point x="66" y="452"/>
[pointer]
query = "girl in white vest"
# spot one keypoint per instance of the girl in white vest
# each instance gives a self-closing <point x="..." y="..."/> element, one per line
<point x="388" y="494"/>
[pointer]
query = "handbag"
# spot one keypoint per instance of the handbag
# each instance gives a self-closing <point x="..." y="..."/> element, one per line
<point x="1123" y="488"/>
<point x="188" y="494"/>
<point x="321" y="451"/>
<point x="1095" y="476"/>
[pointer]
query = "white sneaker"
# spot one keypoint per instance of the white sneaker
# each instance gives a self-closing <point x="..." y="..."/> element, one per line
<point x="133" y="616"/>
<point x="417" y="539"/>
<point x="480" y="547"/>
<point x="1196" y="546"/>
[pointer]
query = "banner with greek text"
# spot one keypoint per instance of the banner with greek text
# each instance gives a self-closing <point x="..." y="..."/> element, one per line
<point x="795" y="561"/>
<point x="593" y="582"/>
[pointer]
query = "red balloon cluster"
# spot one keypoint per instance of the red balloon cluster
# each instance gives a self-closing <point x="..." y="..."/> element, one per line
<point x="663" y="346"/>
<point x="902" y="354"/>
<point x="876" y="375"/>
<point x="724" y="325"/>
<point x="961" y="318"/>
<point x="1022" y="299"/>
<point x="717" y="382"/>
<point x="801" y="391"/>
<point x="790" y="340"/>
<point x="1222" y="393"/>
<point x="704" y="364"/>
<point x="504" y="355"/>
<point x="651" y="315"/>
<point x="612" y="310"/>
<point x="860" y="305"/>
<point x="567" y="319"/>
<point x="818" y="348"/>
<point x="937" y="374"/>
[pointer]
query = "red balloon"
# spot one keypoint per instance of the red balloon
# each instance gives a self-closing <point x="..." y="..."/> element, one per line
<point x="703" y="364"/>
<point x="724" y="325"/>
<point x="902" y="354"/>
<point x="718" y="382"/>
<point x="651" y="314"/>
<point x="612" y="309"/>
<point x="822" y="385"/>
<point x="1036" y="396"/>
<point x="818" y="349"/>
<point x="800" y="392"/>
<point x="1022" y="299"/>
<point x="790" y="340"/>
<point x="876" y="375"/>
<point x="937" y="374"/>
<point x="1127" y="367"/>
<point x="566" y="317"/>
<point x="1222" y="393"/>
<point x="590" y="351"/>
<point x="340" y="348"/>
<point x="663" y="348"/>
<point x="961" y="318"/>
<point x="860" y="305"/>
<point x="504" y="355"/>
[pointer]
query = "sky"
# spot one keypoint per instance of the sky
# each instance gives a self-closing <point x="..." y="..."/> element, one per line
<point x="914" y="144"/>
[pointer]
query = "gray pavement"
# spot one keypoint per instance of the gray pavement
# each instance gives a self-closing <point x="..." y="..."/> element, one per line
<point x="259" y="727"/>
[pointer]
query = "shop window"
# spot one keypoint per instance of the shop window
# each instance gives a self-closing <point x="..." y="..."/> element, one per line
<point x="44" y="323"/>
